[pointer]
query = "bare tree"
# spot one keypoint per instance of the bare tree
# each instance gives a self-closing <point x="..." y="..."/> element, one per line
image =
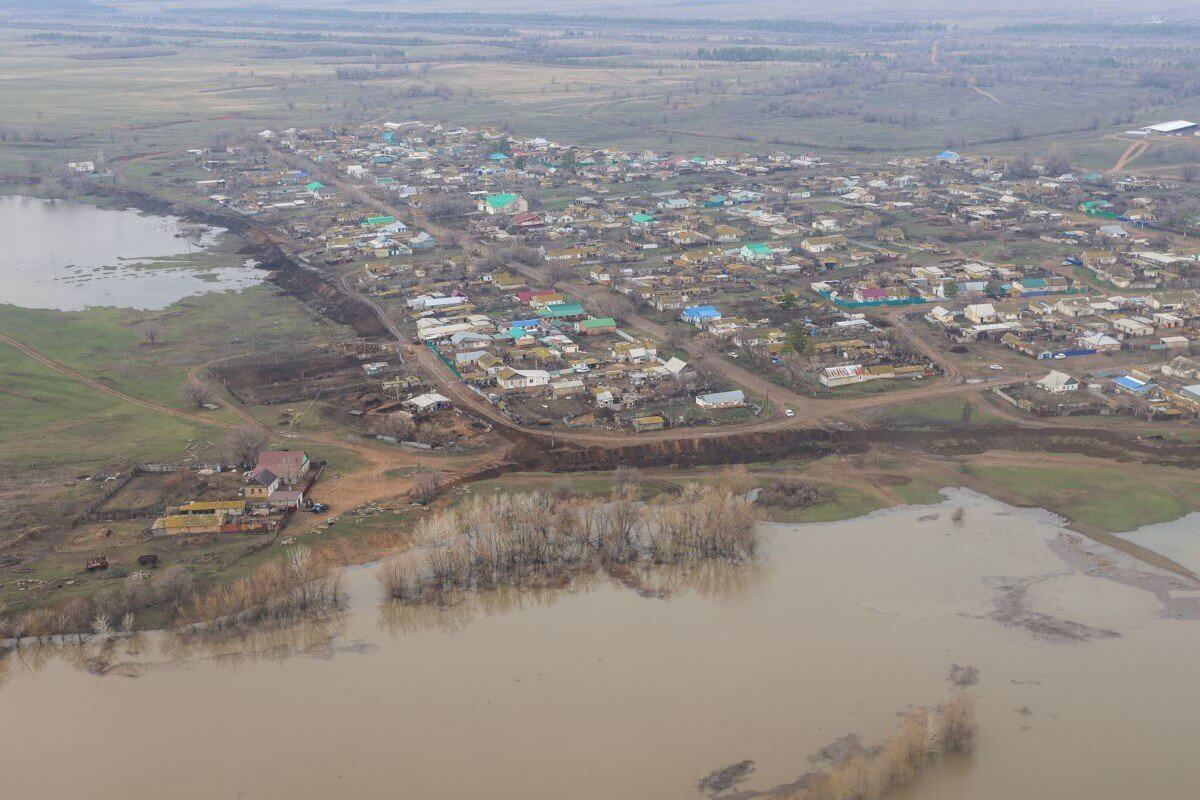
<point x="626" y="477"/>
<point x="398" y="426"/>
<point x="152" y="333"/>
<point x="195" y="394"/>
<point x="557" y="272"/>
<point x="427" y="486"/>
<point x="616" y="306"/>
<point x="243" y="444"/>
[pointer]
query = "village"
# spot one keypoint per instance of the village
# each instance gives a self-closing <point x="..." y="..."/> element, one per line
<point x="521" y="263"/>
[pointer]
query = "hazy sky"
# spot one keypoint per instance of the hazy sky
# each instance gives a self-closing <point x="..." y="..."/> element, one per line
<point x="1074" y="10"/>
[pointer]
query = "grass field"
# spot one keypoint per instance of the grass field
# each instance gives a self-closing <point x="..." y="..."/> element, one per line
<point x="846" y="503"/>
<point x="49" y="422"/>
<point x="1113" y="498"/>
<point x="938" y="412"/>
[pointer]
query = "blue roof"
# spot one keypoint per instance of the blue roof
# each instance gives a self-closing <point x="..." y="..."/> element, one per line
<point x="1132" y="384"/>
<point x="498" y="157"/>
<point x="526" y="323"/>
<point x="703" y="312"/>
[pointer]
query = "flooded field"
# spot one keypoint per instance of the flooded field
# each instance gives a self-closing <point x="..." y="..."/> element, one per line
<point x="69" y="256"/>
<point x="1086" y="673"/>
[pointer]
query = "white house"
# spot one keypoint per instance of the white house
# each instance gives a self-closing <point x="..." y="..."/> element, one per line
<point x="716" y="400"/>
<point x="1058" y="383"/>
<point x="981" y="313"/>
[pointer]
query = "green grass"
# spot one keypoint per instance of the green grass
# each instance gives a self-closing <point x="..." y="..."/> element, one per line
<point x="847" y="503"/>
<point x="919" y="492"/>
<point x="1113" y="499"/>
<point x="935" y="412"/>
<point x="47" y="420"/>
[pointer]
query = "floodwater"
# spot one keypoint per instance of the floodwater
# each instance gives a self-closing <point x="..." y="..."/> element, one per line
<point x="1087" y="684"/>
<point x="1178" y="540"/>
<point x="70" y="256"/>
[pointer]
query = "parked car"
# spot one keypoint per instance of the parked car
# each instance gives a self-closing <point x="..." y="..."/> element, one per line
<point x="316" y="508"/>
<point x="789" y="413"/>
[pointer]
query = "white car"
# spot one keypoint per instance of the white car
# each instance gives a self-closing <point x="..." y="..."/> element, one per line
<point x="996" y="367"/>
<point x="787" y="412"/>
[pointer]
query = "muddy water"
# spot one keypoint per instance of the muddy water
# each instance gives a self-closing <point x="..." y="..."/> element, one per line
<point x="69" y="256"/>
<point x="600" y="693"/>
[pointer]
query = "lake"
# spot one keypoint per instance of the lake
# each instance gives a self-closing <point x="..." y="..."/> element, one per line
<point x="1086" y="687"/>
<point x="70" y="256"/>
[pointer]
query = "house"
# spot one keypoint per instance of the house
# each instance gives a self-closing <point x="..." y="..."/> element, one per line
<point x="185" y="524"/>
<point x="821" y="244"/>
<point x="843" y="375"/>
<point x="687" y="238"/>
<point x="699" y="315"/>
<point x="940" y="315"/>
<point x="1134" y="326"/>
<point x="719" y="400"/>
<point x="650" y="423"/>
<point x="981" y="313"/>
<point x="1058" y="383"/>
<point x="563" y="311"/>
<point x="505" y="203"/>
<point x="587" y="327"/>
<point x="1074" y="307"/>
<point x="726" y="234"/>
<point x="1100" y="342"/>
<point x="286" y="499"/>
<point x="756" y="251"/>
<point x="428" y="302"/>
<point x="231" y="507"/>
<point x="1128" y="383"/>
<point x="427" y="403"/>
<point x="539" y="297"/>
<point x="508" y="378"/>
<point x="289" y="466"/>
<point x="260" y="484"/>
<point x="675" y="367"/>
<point x="566" y="387"/>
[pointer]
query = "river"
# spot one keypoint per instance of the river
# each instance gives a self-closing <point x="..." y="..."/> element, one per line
<point x="1086" y="684"/>
<point x="70" y="256"/>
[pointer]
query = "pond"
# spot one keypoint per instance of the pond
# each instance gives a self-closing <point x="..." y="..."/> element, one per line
<point x="69" y="256"/>
<point x="1086" y="685"/>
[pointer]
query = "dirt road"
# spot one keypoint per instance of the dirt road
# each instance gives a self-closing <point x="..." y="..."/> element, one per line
<point x="104" y="388"/>
<point x="809" y="411"/>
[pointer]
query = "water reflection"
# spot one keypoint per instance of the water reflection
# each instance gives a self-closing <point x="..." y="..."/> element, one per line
<point x="707" y="579"/>
<point x="70" y="256"/>
<point x="520" y="694"/>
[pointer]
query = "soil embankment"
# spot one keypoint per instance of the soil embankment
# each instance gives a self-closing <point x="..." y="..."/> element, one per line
<point x="318" y="292"/>
<point x="745" y="447"/>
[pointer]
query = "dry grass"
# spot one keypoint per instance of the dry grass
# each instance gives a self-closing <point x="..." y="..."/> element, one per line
<point x="924" y="735"/>
<point x="302" y="584"/>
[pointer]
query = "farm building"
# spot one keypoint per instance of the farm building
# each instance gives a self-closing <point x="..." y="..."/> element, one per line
<point x="717" y="400"/>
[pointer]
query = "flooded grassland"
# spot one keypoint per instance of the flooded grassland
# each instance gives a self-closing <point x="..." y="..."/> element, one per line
<point x="1080" y="660"/>
<point x="69" y="256"/>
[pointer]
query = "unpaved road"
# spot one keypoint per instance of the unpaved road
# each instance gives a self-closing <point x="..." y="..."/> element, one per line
<point x="809" y="411"/>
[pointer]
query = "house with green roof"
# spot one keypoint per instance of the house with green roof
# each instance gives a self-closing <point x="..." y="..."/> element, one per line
<point x="315" y="186"/>
<point x="562" y="311"/>
<point x="504" y="203"/>
<point x="588" y="327"/>
<point x="641" y="218"/>
<point x="756" y="251"/>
